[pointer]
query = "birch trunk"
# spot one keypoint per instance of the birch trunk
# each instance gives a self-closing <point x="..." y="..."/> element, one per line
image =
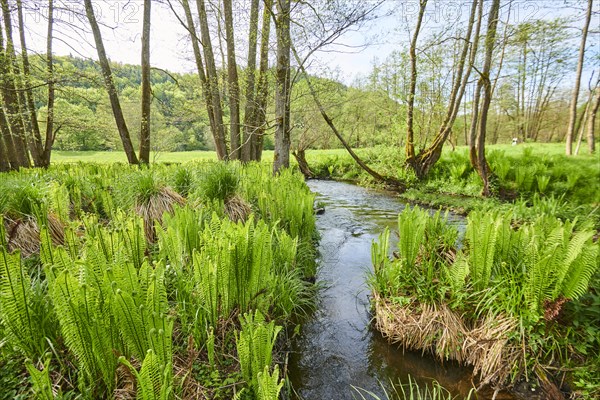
<point x="212" y="81"/>
<point x="234" y="86"/>
<point x="50" y="134"/>
<point x="282" y="88"/>
<point x="146" y="88"/>
<point x="110" y="85"/>
<point x="575" y="95"/>
<point x="250" y="108"/>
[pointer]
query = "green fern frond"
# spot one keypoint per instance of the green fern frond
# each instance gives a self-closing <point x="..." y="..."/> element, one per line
<point x="411" y="228"/>
<point x="269" y="385"/>
<point x="40" y="380"/>
<point x="21" y="323"/>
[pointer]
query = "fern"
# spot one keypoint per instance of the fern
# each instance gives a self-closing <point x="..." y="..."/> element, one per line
<point x="379" y="251"/>
<point x="457" y="272"/>
<point x="22" y="324"/>
<point x="269" y="385"/>
<point x="85" y="328"/>
<point x="482" y="233"/>
<point x="154" y="380"/>
<point x="558" y="262"/>
<point x="411" y="226"/>
<point x="159" y="326"/>
<point x="582" y="262"/>
<point x="129" y="316"/>
<point x="40" y="380"/>
<point x="255" y="346"/>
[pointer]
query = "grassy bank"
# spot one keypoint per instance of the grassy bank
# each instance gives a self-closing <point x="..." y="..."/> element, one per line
<point x="160" y="283"/>
<point x="518" y="299"/>
<point x="529" y="180"/>
<point x="518" y="304"/>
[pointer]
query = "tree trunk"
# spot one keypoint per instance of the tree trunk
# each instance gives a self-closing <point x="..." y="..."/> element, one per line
<point x="490" y="39"/>
<point x="199" y="65"/>
<point x="575" y="96"/>
<point x="282" y="87"/>
<point x="110" y="85"/>
<point x="36" y="138"/>
<point x="250" y="109"/>
<point x="6" y="144"/>
<point x="50" y="134"/>
<point x="300" y="156"/>
<point x="426" y="159"/>
<point x="4" y="162"/>
<point x="262" y="90"/>
<point x="212" y="81"/>
<point x="8" y="160"/>
<point x="385" y="179"/>
<point x="582" y="123"/>
<point x="10" y="97"/>
<point x="234" y="86"/>
<point x="146" y="88"/>
<point x="410" y="145"/>
<point x="475" y="124"/>
<point x="591" y="125"/>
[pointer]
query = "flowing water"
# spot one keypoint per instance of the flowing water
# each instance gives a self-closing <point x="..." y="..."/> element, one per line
<point x="338" y="348"/>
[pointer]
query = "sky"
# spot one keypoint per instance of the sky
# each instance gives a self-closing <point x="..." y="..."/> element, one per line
<point x="122" y="23"/>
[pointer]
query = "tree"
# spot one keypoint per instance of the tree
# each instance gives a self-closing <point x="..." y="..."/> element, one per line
<point x="212" y="81"/>
<point x="385" y="179"/>
<point x="478" y="159"/>
<point x="110" y="85"/>
<point x="233" y="84"/>
<point x="254" y="112"/>
<point x="422" y="162"/>
<point x="35" y="135"/>
<point x="575" y="96"/>
<point x="50" y="132"/>
<point x="410" y="136"/>
<point x="282" y="87"/>
<point x="207" y="94"/>
<point x="591" y="125"/>
<point x="540" y="54"/>
<point x="320" y="32"/>
<point x="17" y="145"/>
<point x="259" y="115"/>
<point x="8" y="152"/>
<point x="146" y="89"/>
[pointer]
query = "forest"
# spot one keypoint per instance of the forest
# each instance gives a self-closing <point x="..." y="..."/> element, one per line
<point x="277" y="199"/>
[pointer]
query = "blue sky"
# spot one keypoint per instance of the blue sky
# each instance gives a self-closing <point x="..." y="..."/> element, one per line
<point x="170" y="45"/>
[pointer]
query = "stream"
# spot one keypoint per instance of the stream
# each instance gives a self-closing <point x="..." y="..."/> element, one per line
<point x="338" y="350"/>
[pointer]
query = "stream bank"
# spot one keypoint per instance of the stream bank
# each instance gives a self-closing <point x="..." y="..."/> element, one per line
<point x="338" y="347"/>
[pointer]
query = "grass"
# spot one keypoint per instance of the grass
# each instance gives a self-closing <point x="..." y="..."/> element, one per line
<point x="109" y="157"/>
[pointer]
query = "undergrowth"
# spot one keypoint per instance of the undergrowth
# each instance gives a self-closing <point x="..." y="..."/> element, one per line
<point x="510" y="300"/>
<point x="120" y="283"/>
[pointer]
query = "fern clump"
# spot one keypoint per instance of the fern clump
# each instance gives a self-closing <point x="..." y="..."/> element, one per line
<point x="255" y="346"/>
<point x="131" y="281"/>
<point x="21" y="319"/>
<point x="504" y="285"/>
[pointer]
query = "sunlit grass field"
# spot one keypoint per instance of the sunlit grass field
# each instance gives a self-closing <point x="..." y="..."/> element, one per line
<point x="184" y="156"/>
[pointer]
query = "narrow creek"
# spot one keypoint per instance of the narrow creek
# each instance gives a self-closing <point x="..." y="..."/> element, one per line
<point x="338" y="349"/>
